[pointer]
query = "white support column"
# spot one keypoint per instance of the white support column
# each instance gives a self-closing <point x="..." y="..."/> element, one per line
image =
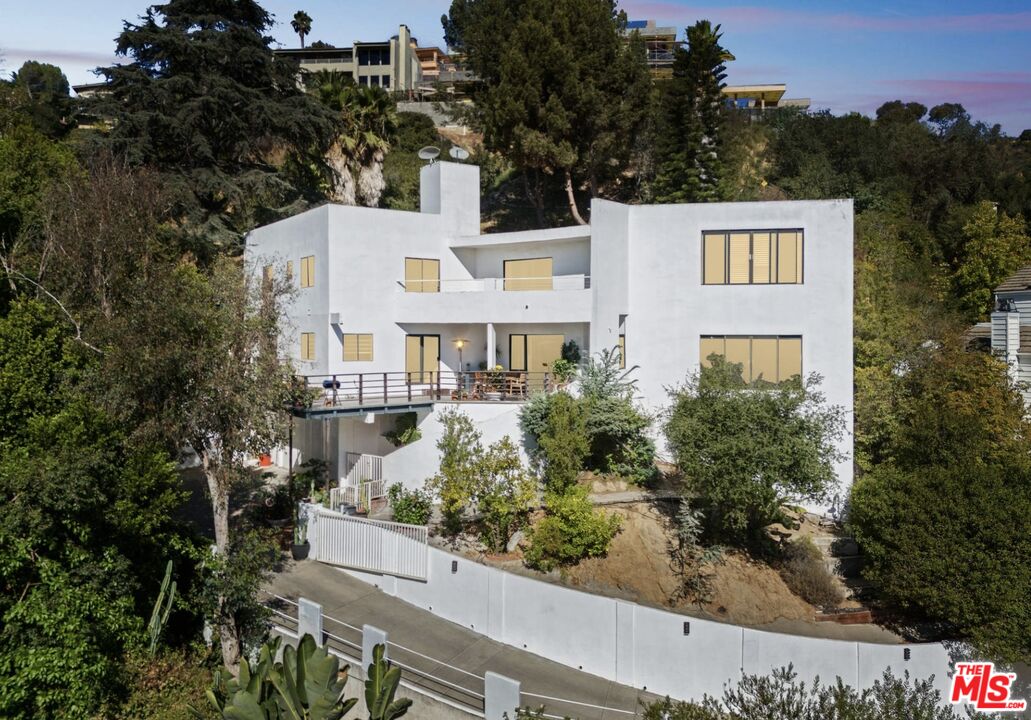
<point x="309" y="620"/>
<point x="371" y="637"/>
<point x="492" y="346"/>
<point x="500" y="697"/>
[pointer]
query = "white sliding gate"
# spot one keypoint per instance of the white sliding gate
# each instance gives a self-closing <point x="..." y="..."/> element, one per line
<point x="382" y="547"/>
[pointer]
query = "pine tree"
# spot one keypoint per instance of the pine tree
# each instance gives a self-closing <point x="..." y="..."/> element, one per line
<point x="688" y="147"/>
<point x="205" y="102"/>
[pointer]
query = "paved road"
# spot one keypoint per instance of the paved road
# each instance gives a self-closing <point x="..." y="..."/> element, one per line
<point x="420" y="634"/>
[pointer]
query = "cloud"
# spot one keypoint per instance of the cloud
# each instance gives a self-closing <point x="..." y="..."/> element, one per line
<point x="16" y="56"/>
<point x="745" y="18"/>
<point x="980" y="92"/>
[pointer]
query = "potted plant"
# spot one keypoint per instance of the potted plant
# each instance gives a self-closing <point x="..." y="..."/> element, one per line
<point x="563" y="370"/>
<point x="495" y="382"/>
<point x="300" y="548"/>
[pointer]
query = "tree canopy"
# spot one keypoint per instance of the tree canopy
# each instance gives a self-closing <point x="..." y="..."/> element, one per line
<point x="562" y="93"/>
<point x="203" y="98"/>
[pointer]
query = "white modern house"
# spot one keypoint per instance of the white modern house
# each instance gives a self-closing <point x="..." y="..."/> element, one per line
<point x="409" y="312"/>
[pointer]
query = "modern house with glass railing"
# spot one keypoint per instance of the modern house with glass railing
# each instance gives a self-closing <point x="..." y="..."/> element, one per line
<point x="408" y="312"/>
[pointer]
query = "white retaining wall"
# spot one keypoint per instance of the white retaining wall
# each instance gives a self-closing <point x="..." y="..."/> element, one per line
<point x="640" y="646"/>
<point x="412" y="464"/>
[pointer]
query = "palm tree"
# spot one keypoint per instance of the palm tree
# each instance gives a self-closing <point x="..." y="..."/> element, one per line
<point x="368" y="122"/>
<point x="301" y="24"/>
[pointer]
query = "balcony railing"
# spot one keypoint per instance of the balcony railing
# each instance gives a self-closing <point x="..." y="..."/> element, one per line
<point x="399" y="388"/>
<point x="551" y="282"/>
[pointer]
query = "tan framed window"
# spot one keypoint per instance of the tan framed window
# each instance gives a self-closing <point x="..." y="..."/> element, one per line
<point x="745" y="257"/>
<point x="770" y="358"/>
<point x="308" y="271"/>
<point x="422" y="358"/>
<point x="531" y="274"/>
<point x="289" y="270"/>
<point x="308" y="346"/>
<point x="622" y="351"/>
<point x="422" y="275"/>
<point x="357" y="347"/>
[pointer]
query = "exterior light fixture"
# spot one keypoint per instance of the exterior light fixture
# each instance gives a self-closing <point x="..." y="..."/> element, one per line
<point x="370" y="418"/>
<point x="906" y="653"/>
<point x="460" y="344"/>
<point x="687" y="628"/>
<point x="454" y="566"/>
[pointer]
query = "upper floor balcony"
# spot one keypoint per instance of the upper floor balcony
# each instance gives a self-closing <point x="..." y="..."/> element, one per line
<point x="553" y="298"/>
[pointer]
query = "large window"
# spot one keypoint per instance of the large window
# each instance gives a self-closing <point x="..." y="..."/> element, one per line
<point x="308" y="271"/>
<point x="374" y="56"/>
<point x="289" y="270"/>
<point x="357" y="347"/>
<point x="532" y="274"/>
<point x="422" y="358"/>
<point x="752" y="257"/>
<point x="308" y="346"/>
<point x="769" y="358"/>
<point x="622" y="351"/>
<point x="422" y="275"/>
<point x="534" y="353"/>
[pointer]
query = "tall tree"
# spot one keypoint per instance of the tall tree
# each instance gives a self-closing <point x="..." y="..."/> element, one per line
<point x="562" y="93"/>
<point x="946" y="524"/>
<point x="86" y="529"/>
<point x="204" y="100"/>
<point x="43" y="92"/>
<point x="688" y="148"/>
<point x="995" y="245"/>
<point x="301" y="24"/>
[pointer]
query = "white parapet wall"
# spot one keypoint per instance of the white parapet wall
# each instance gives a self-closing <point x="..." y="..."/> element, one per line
<point x="643" y="647"/>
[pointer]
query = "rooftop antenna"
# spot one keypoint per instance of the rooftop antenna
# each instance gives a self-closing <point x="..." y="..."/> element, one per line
<point x="429" y="153"/>
<point x="458" y="153"/>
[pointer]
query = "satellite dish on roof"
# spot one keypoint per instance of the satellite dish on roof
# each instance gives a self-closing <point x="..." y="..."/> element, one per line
<point x="430" y="153"/>
<point x="458" y="153"/>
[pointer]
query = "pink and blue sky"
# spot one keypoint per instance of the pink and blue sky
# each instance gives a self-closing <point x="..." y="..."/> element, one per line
<point x="843" y="55"/>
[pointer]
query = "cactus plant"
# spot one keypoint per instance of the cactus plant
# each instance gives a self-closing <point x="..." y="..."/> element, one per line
<point x="162" y="609"/>
<point x="380" y="686"/>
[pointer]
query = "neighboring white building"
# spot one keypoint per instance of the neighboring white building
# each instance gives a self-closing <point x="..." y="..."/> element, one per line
<point x="385" y="296"/>
<point x="1008" y="333"/>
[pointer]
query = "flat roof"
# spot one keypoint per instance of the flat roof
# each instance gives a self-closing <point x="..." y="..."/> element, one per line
<point x="572" y="232"/>
<point x="771" y="92"/>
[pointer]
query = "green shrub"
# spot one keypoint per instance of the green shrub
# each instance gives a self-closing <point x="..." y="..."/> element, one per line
<point x="564" y="444"/>
<point x="617" y="431"/>
<point x="405" y="430"/>
<point x="805" y="572"/>
<point x="505" y="493"/>
<point x="563" y="370"/>
<point x="409" y="506"/>
<point x="780" y="696"/>
<point x="570" y="531"/>
<point x="455" y="482"/>
<point x="746" y="450"/>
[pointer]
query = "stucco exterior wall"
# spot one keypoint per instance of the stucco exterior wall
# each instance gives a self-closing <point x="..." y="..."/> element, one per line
<point x="644" y="264"/>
